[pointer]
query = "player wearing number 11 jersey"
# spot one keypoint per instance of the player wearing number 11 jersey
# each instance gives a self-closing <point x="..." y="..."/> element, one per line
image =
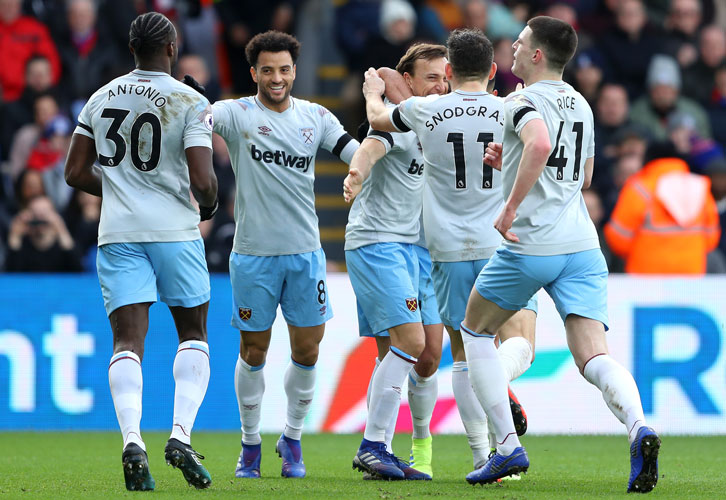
<point x="152" y="136"/>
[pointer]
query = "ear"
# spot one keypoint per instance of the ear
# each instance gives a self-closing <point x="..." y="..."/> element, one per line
<point x="538" y="56"/>
<point x="449" y="71"/>
<point x="253" y="73"/>
<point x="407" y="78"/>
<point x="294" y="70"/>
<point x="170" y="49"/>
<point x="492" y="71"/>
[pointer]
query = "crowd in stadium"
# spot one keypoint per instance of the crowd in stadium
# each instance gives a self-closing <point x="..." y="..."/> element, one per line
<point x="652" y="70"/>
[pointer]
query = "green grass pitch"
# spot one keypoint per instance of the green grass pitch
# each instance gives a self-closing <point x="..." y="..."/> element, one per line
<point x="88" y="465"/>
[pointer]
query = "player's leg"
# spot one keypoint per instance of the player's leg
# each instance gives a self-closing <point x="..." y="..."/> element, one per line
<point x="183" y="283"/>
<point x="516" y="352"/>
<point x="423" y="384"/>
<point x="128" y="285"/>
<point x="581" y="299"/>
<point x="256" y="287"/>
<point x="501" y="290"/>
<point x="452" y="284"/>
<point x="306" y="308"/>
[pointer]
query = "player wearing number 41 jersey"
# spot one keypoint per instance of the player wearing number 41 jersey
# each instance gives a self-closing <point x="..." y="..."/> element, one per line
<point x="551" y="243"/>
<point x="152" y="136"/>
<point x="276" y="258"/>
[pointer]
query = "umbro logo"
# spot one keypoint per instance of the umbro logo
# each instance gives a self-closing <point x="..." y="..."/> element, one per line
<point x="264" y="130"/>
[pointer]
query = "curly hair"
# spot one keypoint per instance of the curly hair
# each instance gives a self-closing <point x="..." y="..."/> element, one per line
<point x="271" y="41"/>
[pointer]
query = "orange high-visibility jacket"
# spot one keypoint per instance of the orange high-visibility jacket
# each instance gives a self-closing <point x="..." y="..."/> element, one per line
<point x="665" y="220"/>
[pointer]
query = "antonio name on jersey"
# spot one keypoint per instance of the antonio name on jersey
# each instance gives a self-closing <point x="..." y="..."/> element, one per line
<point x="281" y="158"/>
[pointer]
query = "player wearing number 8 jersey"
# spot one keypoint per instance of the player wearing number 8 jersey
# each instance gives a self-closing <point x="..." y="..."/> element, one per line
<point x="152" y="136"/>
<point x="551" y="243"/>
<point x="461" y="197"/>
<point x="276" y="259"/>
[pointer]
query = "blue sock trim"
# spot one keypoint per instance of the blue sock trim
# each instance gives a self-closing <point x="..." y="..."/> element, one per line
<point x="411" y="379"/>
<point x="474" y="334"/>
<point x="194" y="344"/>
<point x="460" y="366"/>
<point x="304" y="367"/>
<point x="407" y="357"/>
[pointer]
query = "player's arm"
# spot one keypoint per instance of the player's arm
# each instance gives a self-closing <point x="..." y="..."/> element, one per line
<point x="203" y="180"/>
<point x="396" y="88"/>
<point x="537" y="147"/>
<point x="79" y="171"/>
<point x="376" y="111"/>
<point x="589" y="167"/>
<point x="365" y="157"/>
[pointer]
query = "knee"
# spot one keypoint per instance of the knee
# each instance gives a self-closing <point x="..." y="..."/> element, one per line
<point x="253" y="355"/>
<point x="415" y="346"/>
<point x="306" y="354"/>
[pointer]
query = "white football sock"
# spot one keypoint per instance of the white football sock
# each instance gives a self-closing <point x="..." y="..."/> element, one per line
<point x="191" y="377"/>
<point x="299" y="387"/>
<point x="391" y="429"/>
<point x="471" y="413"/>
<point x="386" y="393"/>
<point x="126" y="382"/>
<point x="618" y="390"/>
<point x="516" y="356"/>
<point x="490" y="386"/>
<point x="249" y="385"/>
<point x="422" y="394"/>
<point x="370" y="383"/>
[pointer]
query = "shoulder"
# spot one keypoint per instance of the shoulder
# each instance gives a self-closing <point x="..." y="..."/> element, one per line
<point x="305" y="107"/>
<point x="241" y="105"/>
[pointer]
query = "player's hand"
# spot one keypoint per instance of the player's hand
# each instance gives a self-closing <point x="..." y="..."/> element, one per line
<point x="503" y="224"/>
<point x="189" y="80"/>
<point x="493" y="155"/>
<point x="206" y="213"/>
<point x="373" y="84"/>
<point x="352" y="185"/>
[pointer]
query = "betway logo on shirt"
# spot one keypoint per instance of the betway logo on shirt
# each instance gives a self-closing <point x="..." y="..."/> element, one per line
<point x="281" y="158"/>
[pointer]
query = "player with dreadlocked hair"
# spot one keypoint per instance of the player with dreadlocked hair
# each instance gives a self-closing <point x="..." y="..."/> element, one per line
<point x="149" y="240"/>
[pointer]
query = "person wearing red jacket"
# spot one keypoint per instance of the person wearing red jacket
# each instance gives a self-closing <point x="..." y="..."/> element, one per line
<point x="21" y="37"/>
<point x="665" y="220"/>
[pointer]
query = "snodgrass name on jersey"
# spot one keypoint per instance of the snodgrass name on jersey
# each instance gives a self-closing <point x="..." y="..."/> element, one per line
<point x="281" y="158"/>
<point x="141" y="90"/>
<point x="458" y="111"/>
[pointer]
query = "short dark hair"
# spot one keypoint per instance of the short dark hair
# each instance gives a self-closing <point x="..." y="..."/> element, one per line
<point x="556" y="38"/>
<point x="150" y="33"/>
<point x="271" y="41"/>
<point x="470" y="54"/>
<point x="425" y="51"/>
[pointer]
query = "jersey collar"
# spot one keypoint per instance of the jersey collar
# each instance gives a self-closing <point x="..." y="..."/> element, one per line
<point x="148" y="73"/>
<point x="265" y="108"/>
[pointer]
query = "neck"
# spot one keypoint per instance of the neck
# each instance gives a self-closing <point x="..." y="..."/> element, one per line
<point x="469" y="85"/>
<point x="162" y="66"/>
<point x="278" y="107"/>
<point x="542" y="75"/>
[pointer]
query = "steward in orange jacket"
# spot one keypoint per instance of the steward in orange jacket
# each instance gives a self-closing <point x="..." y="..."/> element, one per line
<point x="665" y="220"/>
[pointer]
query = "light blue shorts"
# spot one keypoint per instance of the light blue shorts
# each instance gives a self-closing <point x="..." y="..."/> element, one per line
<point x="385" y="279"/>
<point x="577" y="282"/>
<point x="453" y="282"/>
<point x="296" y="282"/>
<point x="133" y="273"/>
<point x="426" y="296"/>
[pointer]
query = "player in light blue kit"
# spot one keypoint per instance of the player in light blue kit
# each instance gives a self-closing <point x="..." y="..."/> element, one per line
<point x="389" y="269"/>
<point x="152" y="136"/>
<point x="550" y="242"/>
<point x="461" y="199"/>
<point x="276" y="257"/>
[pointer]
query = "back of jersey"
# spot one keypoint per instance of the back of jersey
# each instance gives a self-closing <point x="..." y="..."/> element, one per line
<point x="462" y="195"/>
<point x="552" y="219"/>
<point x="141" y="124"/>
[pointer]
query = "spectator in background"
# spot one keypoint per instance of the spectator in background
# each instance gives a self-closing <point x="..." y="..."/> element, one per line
<point x="611" y="115"/>
<point x="663" y="100"/>
<point x="626" y="166"/>
<point x="86" y="55"/>
<point x="505" y="81"/>
<point x="629" y="45"/>
<point x="717" y="106"/>
<point x="21" y="38"/>
<point x="699" y="78"/>
<point x="195" y="66"/>
<point x="45" y="109"/>
<point x="218" y="243"/>
<point x="682" y="25"/>
<point x="39" y="241"/>
<point x="597" y="215"/>
<point x="82" y="216"/>
<point x="665" y="220"/>
<point x="27" y="186"/>
<point x="588" y="74"/>
<point x="716" y="172"/>
<point x="39" y="80"/>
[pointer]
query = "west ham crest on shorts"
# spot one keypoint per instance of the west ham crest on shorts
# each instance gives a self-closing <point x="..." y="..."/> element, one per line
<point x="412" y="304"/>
<point x="245" y="313"/>
<point x="307" y="135"/>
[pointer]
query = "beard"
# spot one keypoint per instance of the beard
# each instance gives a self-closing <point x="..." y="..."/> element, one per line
<point x="264" y="92"/>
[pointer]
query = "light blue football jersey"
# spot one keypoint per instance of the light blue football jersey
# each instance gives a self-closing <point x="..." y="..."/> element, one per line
<point x="273" y="158"/>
